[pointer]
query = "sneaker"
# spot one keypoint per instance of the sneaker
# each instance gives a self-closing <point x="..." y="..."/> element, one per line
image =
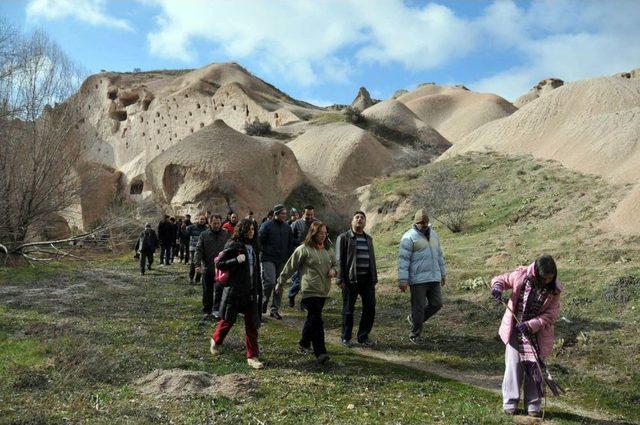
<point x="322" y="359"/>
<point x="216" y="315"/>
<point x="367" y="343"/>
<point x="534" y="413"/>
<point x="214" y="348"/>
<point x="415" y="340"/>
<point x="346" y="343"/>
<point x="292" y="302"/>
<point x="275" y="315"/>
<point x="264" y="308"/>
<point x="303" y="350"/>
<point x="410" y="320"/>
<point x="255" y="363"/>
<point x="511" y="412"/>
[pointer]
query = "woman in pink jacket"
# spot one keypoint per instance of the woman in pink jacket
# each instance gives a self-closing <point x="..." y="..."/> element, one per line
<point x="535" y="301"/>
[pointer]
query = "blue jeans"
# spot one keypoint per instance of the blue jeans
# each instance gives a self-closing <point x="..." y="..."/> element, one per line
<point x="295" y="285"/>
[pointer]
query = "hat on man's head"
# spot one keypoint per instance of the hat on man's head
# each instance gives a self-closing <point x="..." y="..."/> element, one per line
<point x="293" y="210"/>
<point x="421" y="215"/>
<point x="278" y="208"/>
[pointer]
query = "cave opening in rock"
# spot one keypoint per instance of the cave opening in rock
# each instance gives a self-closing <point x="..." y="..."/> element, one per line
<point x="112" y="94"/>
<point x="128" y="98"/>
<point x="136" y="187"/>
<point x="118" y="115"/>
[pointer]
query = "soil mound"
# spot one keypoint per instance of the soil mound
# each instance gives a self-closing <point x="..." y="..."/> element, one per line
<point x="177" y="383"/>
<point x="455" y="111"/>
<point x="395" y="115"/>
<point x="340" y="155"/>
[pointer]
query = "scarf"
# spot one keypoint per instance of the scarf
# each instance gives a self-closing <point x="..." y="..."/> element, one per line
<point x="530" y="302"/>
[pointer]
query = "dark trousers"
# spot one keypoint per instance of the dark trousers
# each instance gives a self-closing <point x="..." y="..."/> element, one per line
<point x="207" y="290"/>
<point x="145" y="257"/>
<point x="192" y="270"/>
<point x="295" y="285"/>
<point x="183" y="251"/>
<point x="426" y="300"/>
<point x="217" y="296"/>
<point x="367" y="291"/>
<point x="165" y="253"/>
<point x="313" y="329"/>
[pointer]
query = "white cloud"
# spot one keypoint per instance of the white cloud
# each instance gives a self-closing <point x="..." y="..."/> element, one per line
<point x="566" y="39"/>
<point x="313" y="41"/>
<point x="89" y="11"/>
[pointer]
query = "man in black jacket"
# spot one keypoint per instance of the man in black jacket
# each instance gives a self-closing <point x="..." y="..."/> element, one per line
<point x="146" y="246"/>
<point x="166" y="234"/>
<point x="209" y="245"/>
<point x="276" y="243"/>
<point x="358" y="276"/>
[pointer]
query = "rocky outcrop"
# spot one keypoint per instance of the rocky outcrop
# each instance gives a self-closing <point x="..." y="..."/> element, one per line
<point x="363" y="100"/>
<point x="540" y="89"/>
<point x="218" y="168"/>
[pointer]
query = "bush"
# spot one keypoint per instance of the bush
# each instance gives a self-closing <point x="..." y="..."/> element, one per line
<point x="257" y="128"/>
<point x="352" y="115"/>
<point x="622" y="289"/>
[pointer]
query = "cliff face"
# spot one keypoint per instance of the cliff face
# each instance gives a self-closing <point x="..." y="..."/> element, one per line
<point x="124" y="121"/>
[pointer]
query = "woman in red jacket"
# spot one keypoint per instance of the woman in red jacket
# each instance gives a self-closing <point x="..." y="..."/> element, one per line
<point x="535" y="302"/>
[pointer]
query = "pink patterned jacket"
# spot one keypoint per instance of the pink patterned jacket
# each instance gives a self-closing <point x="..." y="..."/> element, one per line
<point x="541" y="325"/>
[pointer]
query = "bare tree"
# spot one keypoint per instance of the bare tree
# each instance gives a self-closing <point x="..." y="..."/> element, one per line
<point x="38" y="159"/>
<point x="446" y="196"/>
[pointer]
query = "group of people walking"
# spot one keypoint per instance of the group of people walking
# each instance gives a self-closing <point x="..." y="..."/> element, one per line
<point x="244" y="266"/>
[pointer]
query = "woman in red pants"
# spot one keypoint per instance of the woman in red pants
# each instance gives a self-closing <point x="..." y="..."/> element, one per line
<point x="240" y="295"/>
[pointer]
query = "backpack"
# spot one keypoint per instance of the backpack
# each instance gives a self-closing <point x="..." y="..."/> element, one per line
<point x="221" y="276"/>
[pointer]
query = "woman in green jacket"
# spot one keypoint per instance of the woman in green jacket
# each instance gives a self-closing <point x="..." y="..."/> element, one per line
<point x="317" y="266"/>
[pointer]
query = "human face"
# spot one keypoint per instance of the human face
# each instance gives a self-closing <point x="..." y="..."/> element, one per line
<point x="547" y="278"/>
<point x="358" y="222"/>
<point x="309" y="215"/>
<point x="321" y="236"/>
<point x="234" y="218"/>
<point x="250" y="233"/>
<point x="215" y="223"/>
<point x="422" y="225"/>
<point x="282" y="215"/>
<point x="202" y="220"/>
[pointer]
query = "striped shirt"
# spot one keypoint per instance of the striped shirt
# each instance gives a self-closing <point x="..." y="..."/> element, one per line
<point x="363" y="258"/>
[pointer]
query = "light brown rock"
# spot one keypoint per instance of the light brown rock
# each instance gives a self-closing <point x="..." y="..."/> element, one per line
<point x="540" y="89"/>
<point x="362" y="100"/>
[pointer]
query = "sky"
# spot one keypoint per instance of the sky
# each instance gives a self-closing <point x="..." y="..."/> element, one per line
<point x="322" y="51"/>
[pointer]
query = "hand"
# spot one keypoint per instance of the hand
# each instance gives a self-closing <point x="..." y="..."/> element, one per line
<point x="241" y="258"/>
<point x="443" y="281"/>
<point x="403" y="285"/>
<point x="342" y="285"/>
<point x="497" y="295"/>
<point x="523" y="328"/>
<point x="333" y="273"/>
<point x="198" y="269"/>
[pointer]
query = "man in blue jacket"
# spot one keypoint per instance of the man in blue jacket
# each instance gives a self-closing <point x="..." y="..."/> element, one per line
<point x="276" y="245"/>
<point x="421" y="267"/>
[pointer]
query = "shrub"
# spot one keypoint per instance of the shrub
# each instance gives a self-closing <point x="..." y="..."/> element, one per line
<point x="257" y="128"/>
<point x="622" y="289"/>
<point x="352" y="115"/>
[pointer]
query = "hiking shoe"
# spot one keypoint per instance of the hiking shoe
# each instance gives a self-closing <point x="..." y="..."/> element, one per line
<point x="322" y="359"/>
<point x="410" y="320"/>
<point x="214" y="348"/>
<point x="346" y="343"/>
<point x="534" y="414"/>
<point x="292" y="302"/>
<point x="303" y="350"/>
<point x="511" y="412"/>
<point x="216" y="315"/>
<point x="415" y="340"/>
<point x="255" y="363"/>
<point x="264" y="308"/>
<point x="367" y="342"/>
<point x="275" y="315"/>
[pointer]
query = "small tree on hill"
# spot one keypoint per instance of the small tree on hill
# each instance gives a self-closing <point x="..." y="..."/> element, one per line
<point x="257" y="128"/>
<point x="446" y="196"/>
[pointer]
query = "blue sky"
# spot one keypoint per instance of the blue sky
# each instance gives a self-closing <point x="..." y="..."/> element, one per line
<point x="323" y="51"/>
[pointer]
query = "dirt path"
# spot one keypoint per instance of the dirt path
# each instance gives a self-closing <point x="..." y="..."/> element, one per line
<point x="487" y="382"/>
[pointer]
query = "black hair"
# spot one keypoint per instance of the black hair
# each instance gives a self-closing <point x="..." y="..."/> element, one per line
<point x="359" y="212"/>
<point x="241" y="230"/>
<point x="309" y="207"/>
<point x="215" y="215"/>
<point x="546" y="265"/>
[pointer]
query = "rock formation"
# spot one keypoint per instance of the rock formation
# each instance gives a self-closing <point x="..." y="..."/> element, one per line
<point x="543" y="87"/>
<point x="454" y="111"/>
<point x="363" y="100"/>
<point x="340" y="155"/>
<point x="218" y="167"/>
